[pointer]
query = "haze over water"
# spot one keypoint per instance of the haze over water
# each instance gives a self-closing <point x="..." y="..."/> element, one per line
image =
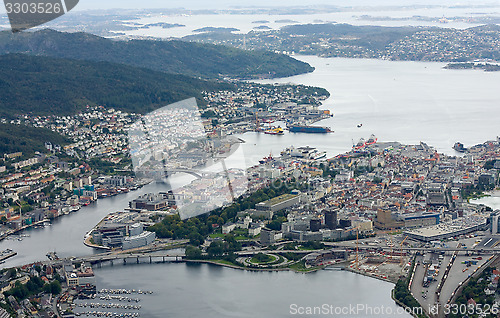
<point x="407" y="102"/>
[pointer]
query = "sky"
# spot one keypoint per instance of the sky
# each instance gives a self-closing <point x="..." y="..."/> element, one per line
<point x="227" y="4"/>
<point x="222" y="4"/>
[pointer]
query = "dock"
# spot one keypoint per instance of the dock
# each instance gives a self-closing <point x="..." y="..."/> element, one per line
<point x="8" y="253"/>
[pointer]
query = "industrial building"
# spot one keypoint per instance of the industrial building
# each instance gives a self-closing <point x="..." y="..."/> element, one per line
<point x="330" y="219"/>
<point x="279" y="203"/>
<point x="135" y="241"/>
<point x="413" y="220"/>
<point x="495" y="222"/>
<point x="446" y="230"/>
<point x="267" y="236"/>
<point x="122" y="230"/>
<point x="386" y="220"/>
<point x="317" y="258"/>
<point x="153" y="202"/>
<point x="315" y="225"/>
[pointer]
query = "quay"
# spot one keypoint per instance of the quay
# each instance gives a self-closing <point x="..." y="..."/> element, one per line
<point x="8" y="253"/>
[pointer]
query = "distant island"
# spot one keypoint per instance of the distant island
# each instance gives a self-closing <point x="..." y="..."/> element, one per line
<point x="216" y="29"/>
<point x="260" y="22"/>
<point x="262" y="27"/>
<point x="286" y="21"/>
<point x="474" y="66"/>
<point x="162" y="25"/>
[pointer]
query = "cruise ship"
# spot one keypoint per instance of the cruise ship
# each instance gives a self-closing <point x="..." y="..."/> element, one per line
<point x="373" y="139"/>
<point x="361" y="143"/>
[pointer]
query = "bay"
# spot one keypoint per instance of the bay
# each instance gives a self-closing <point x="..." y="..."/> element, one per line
<point x="201" y="290"/>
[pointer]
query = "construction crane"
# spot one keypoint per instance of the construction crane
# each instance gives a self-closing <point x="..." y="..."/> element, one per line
<point x="257" y="121"/>
<point x="357" y="245"/>
<point x="391" y="245"/>
<point x="401" y="251"/>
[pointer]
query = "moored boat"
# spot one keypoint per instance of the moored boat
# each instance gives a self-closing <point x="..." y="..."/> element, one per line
<point x="274" y="131"/>
<point x="459" y="147"/>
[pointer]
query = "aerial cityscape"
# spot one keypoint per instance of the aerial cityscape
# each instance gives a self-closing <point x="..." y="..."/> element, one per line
<point x="250" y="160"/>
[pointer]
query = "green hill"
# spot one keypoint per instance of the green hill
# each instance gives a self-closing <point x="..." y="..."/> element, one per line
<point x="179" y="57"/>
<point x="14" y="138"/>
<point x="46" y="85"/>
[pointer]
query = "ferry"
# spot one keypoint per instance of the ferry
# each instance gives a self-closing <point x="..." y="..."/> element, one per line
<point x="275" y="131"/>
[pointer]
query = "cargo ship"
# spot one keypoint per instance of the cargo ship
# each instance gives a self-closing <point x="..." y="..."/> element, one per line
<point x="309" y="129"/>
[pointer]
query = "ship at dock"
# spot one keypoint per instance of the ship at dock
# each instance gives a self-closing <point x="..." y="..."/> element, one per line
<point x="274" y="131"/>
<point x="459" y="147"/>
<point x="309" y="129"/>
<point x="363" y="143"/>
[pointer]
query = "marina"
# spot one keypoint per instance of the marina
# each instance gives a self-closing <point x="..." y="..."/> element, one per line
<point x="109" y="298"/>
<point x="108" y="314"/>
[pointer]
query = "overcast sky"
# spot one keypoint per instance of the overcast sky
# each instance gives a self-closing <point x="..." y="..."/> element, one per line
<point x="221" y="4"/>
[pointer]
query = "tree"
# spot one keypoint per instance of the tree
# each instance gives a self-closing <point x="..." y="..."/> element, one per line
<point x="193" y="252"/>
<point x="215" y="249"/>
<point x="232" y="245"/>
<point x="55" y="287"/>
<point x="275" y="225"/>
<point x="196" y="239"/>
<point x="12" y="273"/>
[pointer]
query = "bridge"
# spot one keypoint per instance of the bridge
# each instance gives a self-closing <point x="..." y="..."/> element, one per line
<point x="170" y="172"/>
<point x="161" y="174"/>
<point x="125" y="258"/>
<point x="481" y="250"/>
<point x="158" y="253"/>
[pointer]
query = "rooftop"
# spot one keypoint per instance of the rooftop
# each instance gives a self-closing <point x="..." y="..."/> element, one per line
<point x="278" y="200"/>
